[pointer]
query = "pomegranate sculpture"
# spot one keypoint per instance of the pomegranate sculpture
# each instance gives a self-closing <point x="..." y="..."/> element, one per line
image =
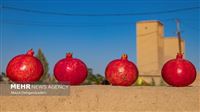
<point x="121" y="72"/>
<point x="24" y="68"/>
<point x="179" y="72"/>
<point x="70" y="70"/>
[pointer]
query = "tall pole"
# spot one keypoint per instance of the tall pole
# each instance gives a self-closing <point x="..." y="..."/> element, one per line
<point x="178" y="35"/>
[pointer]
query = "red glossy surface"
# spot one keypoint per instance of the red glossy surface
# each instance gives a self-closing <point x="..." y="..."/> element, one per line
<point x="24" y="68"/>
<point x="70" y="70"/>
<point x="179" y="72"/>
<point x="121" y="72"/>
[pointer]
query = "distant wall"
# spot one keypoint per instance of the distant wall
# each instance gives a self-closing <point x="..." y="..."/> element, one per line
<point x="171" y="48"/>
<point x="153" y="49"/>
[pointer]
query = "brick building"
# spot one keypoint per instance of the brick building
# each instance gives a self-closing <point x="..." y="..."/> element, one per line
<point x="153" y="49"/>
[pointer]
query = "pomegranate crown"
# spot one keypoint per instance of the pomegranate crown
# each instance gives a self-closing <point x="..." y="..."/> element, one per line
<point x="69" y="55"/>
<point x="30" y="52"/>
<point x="124" y="57"/>
<point x="179" y="56"/>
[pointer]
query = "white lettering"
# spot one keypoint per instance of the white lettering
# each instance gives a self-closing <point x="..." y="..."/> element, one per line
<point x="20" y="86"/>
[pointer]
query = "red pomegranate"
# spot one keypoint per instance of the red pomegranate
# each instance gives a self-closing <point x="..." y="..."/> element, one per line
<point x="24" y="68"/>
<point x="179" y="72"/>
<point x="121" y="72"/>
<point x="70" y="70"/>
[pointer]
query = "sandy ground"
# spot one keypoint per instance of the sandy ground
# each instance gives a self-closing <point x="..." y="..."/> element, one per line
<point x="109" y="99"/>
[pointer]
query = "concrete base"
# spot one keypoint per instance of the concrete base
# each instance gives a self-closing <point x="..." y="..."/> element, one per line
<point x="109" y="99"/>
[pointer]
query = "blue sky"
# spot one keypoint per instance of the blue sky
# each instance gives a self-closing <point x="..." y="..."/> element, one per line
<point x="97" y="39"/>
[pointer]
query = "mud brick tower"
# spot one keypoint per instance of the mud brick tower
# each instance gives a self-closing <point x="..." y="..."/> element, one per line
<point x="153" y="49"/>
